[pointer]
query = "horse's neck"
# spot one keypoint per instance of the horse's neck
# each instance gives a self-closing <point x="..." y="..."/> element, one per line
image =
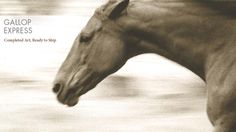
<point x="183" y="32"/>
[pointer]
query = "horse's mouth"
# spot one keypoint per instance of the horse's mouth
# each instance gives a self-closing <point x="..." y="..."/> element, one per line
<point x="69" y="97"/>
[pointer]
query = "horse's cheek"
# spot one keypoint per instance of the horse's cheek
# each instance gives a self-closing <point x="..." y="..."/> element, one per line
<point x="109" y="62"/>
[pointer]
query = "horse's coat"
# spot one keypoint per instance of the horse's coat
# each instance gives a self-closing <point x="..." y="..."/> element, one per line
<point x="199" y="35"/>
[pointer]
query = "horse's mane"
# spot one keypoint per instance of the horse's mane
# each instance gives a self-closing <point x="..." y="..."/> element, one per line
<point x="223" y="7"/>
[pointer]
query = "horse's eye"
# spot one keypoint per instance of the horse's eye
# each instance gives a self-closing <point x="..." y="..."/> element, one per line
<point x="84" y="38"/>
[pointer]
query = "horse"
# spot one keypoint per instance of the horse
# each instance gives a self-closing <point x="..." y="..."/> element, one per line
<point x="199" y="35"/>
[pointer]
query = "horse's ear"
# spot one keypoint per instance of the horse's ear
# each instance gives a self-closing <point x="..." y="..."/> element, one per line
<point x="117" y="8"/>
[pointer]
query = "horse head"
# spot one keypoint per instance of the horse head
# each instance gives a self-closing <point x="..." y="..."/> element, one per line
<point x="98" y="51"/>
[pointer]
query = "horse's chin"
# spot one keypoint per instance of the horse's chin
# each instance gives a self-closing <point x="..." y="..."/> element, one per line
<point x="72" y="102"/>
<point x="69" y="102"/>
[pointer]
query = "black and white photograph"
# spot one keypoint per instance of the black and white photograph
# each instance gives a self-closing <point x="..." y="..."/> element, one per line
<point x="118" y="66"/>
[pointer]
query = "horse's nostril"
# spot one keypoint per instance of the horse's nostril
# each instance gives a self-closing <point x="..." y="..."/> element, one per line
<point x="56" y="88"/>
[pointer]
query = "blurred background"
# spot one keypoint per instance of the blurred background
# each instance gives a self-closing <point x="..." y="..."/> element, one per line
<point x="149" y="94"/>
